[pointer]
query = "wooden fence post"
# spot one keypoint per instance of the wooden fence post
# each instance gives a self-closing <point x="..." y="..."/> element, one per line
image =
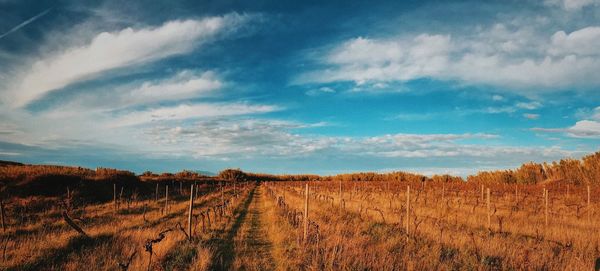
<point x="2" y="214"/>
<point x="120" y="198"/>
<point x="166" y="199"/>
<point x="407" y="211"/>
<point x="222" y="194"/>
<point x="482" y="193"/>
<point x="156" y="200"/>
<point x="191" y="212"/>
<point x="115" y="196"/>
<point x="489" y="209"/>
<point x="340" y="193"/>
<point x="306" y="213"/>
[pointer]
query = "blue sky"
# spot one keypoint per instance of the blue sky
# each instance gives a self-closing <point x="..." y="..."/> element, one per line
<point x="305" y="87"/>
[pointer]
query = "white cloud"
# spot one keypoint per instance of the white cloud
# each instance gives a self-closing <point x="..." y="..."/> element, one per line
<point x="588" y="113"/>
<point x="184" y="85"/>
<point x="362" y="59"/>
<point x="497" y="98"/>
<point x="3" y="153"/>
<point x="85" y="117"/>
<point x="519" y="106"/>
<point x="260" y="138"/>
<point x="416" y="116"/>
<point x="529" y="105"/>
<point x="586" y="128"/>
<point x="521" y="59"/>
<point x="111" y="50"/>
<point x="583" y="42"/>
<point x="572" y="5"/>
<point x="596" y="115"/>
<point x="318" y="91"/>
<point x="578" y="4"/>
<point x="189" y="111"/>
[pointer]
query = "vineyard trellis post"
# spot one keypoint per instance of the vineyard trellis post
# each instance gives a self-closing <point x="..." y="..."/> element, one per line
<point x="166" y="199"/>
<point x="407" y="211"/>
<point x="2" y="214"/>
<point x="306" y="213"/>
<point x="489" y="209"/>
<point x="115" y="196"/>
<point x="156" y="194"/>
<point x="120" y="198"/>
<point x="482" y="193"/>
<point x="190" y="214"/>
<point x="340" y="193"/>
<point x="222" y="194"/>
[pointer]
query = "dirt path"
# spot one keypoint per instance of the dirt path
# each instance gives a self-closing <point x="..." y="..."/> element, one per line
<point x="252" y="246"/>
<point x="244" y="246"/>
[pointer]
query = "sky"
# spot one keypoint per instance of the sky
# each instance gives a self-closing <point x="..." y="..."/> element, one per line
<point x="320" y="87"/>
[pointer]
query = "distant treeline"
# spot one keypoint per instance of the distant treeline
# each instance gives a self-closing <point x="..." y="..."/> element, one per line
<point x="97" y="185"/>
<point x="571" y="171"/>
<point x="236" y="174"/>
<point x="25" y="180"/>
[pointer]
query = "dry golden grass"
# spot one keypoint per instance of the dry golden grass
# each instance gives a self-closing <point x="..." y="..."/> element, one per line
<point x="48" y="243"/>
<point x="352" y="224"/>
<point x="449" y="231"/>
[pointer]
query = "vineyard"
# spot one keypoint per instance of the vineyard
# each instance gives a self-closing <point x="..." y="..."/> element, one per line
<point x="441" y="226"/>
<point x="113" y="220"/>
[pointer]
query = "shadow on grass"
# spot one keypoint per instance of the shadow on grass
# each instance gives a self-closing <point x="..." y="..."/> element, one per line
<point x="180" y="257"/>
<point x="224" y="247"/>
<point x="54" y="257"/>
<point x="137" y="210"/>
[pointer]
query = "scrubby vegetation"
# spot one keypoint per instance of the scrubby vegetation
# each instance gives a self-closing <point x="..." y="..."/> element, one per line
<point x="570" y="171"/>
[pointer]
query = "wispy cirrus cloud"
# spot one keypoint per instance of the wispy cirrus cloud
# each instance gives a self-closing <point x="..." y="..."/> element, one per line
<point x="189" y="111"/>
<point x="224" y="138"/>
<point x="112" y="50"/>
<point x="181" y="86"/>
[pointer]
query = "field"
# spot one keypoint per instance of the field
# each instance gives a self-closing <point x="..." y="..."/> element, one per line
<point x="112" y="220"/>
